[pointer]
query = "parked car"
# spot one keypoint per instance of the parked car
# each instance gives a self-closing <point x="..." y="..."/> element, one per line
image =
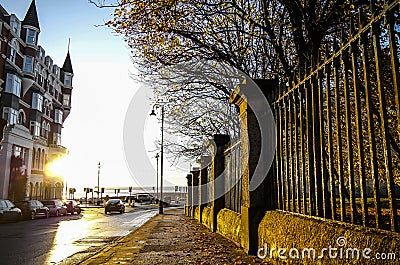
<point x="56" y="207"/>
<point x="114" y="205"/>
<point x="32" y="209"/>
<point x="72" y="207"/>
<point x="8" y="211"/>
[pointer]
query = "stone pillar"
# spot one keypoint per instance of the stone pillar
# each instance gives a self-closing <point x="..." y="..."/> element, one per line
<point x="254" y="202"/>
<point x="5" y="164"/>
<point x="217" y="169"/>
<point x="195" y="190"/>
<point x="204" y="162"/>
<point x="189" y="195"/>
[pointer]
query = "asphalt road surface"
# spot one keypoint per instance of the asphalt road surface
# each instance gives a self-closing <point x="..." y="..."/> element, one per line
<point x="67" y="239"/>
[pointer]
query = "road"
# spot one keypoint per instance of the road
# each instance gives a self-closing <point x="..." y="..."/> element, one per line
<point x="67" y="239"/>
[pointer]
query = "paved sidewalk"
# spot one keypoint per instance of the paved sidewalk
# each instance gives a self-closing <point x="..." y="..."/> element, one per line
<point x="172" y="238"/>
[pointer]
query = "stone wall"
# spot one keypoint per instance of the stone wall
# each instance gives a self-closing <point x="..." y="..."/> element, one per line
<point x="197" y="213"/>
<point x="229" y="225"/>
<point x="207" y="217"/>
<point x="285" y="230"/>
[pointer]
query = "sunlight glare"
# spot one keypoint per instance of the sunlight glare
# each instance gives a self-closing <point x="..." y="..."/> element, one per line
<point x="57" y="167"/>
<point x="64" y="245"/>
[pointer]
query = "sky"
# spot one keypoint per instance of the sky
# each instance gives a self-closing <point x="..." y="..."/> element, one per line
<point x="108" y="106"/>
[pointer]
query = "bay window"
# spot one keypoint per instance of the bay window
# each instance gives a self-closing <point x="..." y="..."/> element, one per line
<point x="10" y="115"/>
<point x="31" y="36"/>
<point x="35" y="128"/>
<point x="57" y="138"/>
<point x="66" y="100"/>
<point x="37" y="101"/>
<point x="58" y="117"/>
<point x="28" y="64"/>
<point x="13" y="84"/>
<point x="68" y="79"/>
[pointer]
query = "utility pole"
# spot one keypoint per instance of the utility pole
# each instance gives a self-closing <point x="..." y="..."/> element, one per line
<point x="98" y="182"/>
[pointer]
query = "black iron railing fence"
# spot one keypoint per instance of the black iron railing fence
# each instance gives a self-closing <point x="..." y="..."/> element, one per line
<point x="233" y="176"/>
<point x="338" y="128"/>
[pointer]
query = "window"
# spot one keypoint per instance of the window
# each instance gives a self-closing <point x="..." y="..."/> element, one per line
<point x="21" y="117"/>
<point x="54" y="87"/>
<point x="31" y="36"/>
<point x="13" y="84"/>
<point x="68" y="79"/>
<point x="17" y="151"/>
<point x="58" y="116"/>
<point x="56" y="71"/>
<point x="10" y="115"/>
<point x="41" y="53"/>
<point x="9" y="204"/>
<point x="49" y="109"/>
<point x="49" y="81"/>
<point x="35" y="128"/>
<point x="14" y="49"/>
<point x="37" y="101"/>
<point x="42" y="159"/>
<point x="66" y="100"/>
<point x="15" y="24"/>
<point x="28" y="64"/>
<point x="36" y="70"/>
<point x="44" y="73"/>
<point x="57" y="138"/>
<point x="37" y="158"/>
<point x="46" y="107"/>
<point x="48" y="129"/>
<point x="13" y="54"/>
<point x="45" y="129"/>
<point x="48" y="62"/>
<point x="42" y="76"/>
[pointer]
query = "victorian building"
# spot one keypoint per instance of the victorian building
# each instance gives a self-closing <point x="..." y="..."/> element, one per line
<point x="35" y="100"/>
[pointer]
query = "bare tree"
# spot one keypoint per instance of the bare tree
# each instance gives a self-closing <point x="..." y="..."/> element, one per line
<point x="261" y="38"/>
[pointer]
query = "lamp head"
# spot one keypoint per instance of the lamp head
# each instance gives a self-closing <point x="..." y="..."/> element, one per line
<point x="153" y="113"/>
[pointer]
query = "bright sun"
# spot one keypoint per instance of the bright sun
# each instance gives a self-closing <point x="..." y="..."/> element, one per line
<point x="58" y="167"/>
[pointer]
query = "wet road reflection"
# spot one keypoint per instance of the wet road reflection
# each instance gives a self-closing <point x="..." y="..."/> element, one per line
<point x="67" y="239"/>
<point x="78" y="239"/>
<point x="67" y="233"/>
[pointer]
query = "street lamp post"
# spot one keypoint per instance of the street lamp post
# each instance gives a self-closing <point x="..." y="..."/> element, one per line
<point x="157" y="156"/>
<point x="98" y="182"/>
<point x="161" y="209"/>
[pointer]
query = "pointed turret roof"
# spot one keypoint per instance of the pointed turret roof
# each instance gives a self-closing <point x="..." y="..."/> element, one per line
<point x="67" y="66"/>
<point x="31" y="17"/>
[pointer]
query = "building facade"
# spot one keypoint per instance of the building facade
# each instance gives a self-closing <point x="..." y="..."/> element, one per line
<point x="35" y="100"/>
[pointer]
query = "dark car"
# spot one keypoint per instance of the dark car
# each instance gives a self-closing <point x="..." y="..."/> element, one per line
<point x="144" y="197"/>
<point x="56" y="207"/>
<point x="8" y="211"/>
<point x="32" y="209"/>
<point x="72" y="207"/>
<point x="114" y="205"/>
